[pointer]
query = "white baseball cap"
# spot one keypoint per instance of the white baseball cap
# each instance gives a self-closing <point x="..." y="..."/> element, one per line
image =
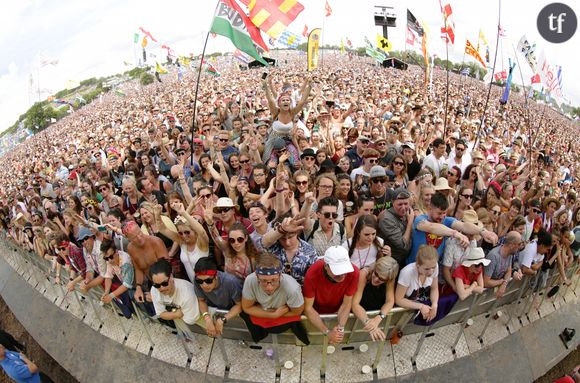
<point x="336" y="257"/>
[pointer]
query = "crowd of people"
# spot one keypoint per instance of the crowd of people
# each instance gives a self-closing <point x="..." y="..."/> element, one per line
<point x="337" y="191"/>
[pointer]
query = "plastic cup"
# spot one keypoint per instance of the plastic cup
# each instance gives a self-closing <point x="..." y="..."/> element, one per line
<point x="288" y="365"/>
<point x="366" y="369"/>
<point x="330" y="350"/>
<point x="363" y="347"/>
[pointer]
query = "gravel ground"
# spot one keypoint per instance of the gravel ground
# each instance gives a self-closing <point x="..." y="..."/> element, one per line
<point x="43" y="360"/>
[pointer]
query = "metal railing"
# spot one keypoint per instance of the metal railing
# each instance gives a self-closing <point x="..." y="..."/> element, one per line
<point x="34" y="269"/>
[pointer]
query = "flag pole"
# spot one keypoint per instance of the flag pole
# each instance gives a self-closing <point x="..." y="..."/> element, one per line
<point x="322" y="40"/>
<point x="492" y="73"/>
<point x="525" y="98"/>
<point x="447" y="82"/>
<point x="197" y="83"/>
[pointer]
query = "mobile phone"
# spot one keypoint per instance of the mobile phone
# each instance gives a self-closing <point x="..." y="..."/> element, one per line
<point x="101" y="228"/>
<point x="264" y="75"/>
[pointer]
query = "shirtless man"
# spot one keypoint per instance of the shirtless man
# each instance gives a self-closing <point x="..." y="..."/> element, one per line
<point x="144" y="250"/>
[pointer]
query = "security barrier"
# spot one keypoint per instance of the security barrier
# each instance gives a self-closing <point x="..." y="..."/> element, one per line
<point x="35" y="269"/>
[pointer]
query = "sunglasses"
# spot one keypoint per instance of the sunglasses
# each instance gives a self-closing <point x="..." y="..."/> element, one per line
<point x="308" y="158"/>
<point x="205" y="195"/>
<point x="537" y="211"/>
<point x="61" y="248"/>
<point x="495" y="212"/>
<point x="162" y="284"/>
<point x="379" y="180"/>
<point x="244" y="161"/>
<point x="224" y="140"/>
<point x="382" y="144"/>
<point x="280" y="151"/>
<point x="205" y="130"/>
<point x="301" y="183"/>
<point x="222" y="209"/>
<point x="373" y="160"/>
<point x="238" y="240"/>
<point x="467" y="195"/>
<point x="399" y="163"/>
<point x="185" y="232"/>
<point x="328" y="215"/>
<point x="207" y="281"/>
<point x="180" y="153"/>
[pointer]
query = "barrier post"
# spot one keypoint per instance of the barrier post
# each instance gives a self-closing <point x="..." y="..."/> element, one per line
<point x="534" y="293"/>
<point x="221" y="344"/>
<point x="528" y="300"/>
<point x="491" y="312"/>
<point x="381" y="345"/>
<point x="523" y="287"/>
<point x="463" y="325"/>
<point x="324" y="355"/>
<point x="420" y="344"/>
<point x="276" y="355"/>
<point x="151" y="344"/>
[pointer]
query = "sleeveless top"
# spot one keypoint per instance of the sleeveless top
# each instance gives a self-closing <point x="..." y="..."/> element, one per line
<point x="238" y="267"/>
<point x="190" y="258"/>
<point x="281" y="128"/>
<point x="374" y="297"/>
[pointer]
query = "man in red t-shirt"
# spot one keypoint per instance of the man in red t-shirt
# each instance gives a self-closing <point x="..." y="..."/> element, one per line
<point x="329" y="286"/>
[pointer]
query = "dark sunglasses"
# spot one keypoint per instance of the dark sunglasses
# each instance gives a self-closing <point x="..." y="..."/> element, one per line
<point x="222" y="209"/>
<point x="185" y="232"/>
<point x="205" y="195"/>
<point x="537" y="211"/>
<point x="238" y="239"/>
<point x="399" y="163"/>
<point x="180" y="153"/>
<point x="328" y="215"/>
<point x="244" y="161"/>
<point x="162" y="284"/>
<point x="208" y="281"/>
<point x="378" y="180"/>
<point x="300" y="183"/>
<point x="494" y="212"/>
<point x="308" y="158"/>
<point x="467" y="195"/>
<point x="61" y="248"/>
<point x="224" y="140"/>
<point x="373" y="160"/>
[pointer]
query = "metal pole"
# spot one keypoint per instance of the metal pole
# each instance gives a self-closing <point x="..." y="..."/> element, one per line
<point x="464" y="322"/>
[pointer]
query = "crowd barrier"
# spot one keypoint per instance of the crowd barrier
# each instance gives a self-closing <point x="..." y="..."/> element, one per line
<point x="29" y="264"/>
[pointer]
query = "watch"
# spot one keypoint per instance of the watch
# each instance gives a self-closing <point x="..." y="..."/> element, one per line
<point x="382" y="315"/>
<point x="325" y="332"/>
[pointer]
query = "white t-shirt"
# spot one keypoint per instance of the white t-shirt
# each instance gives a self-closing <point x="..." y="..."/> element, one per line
<point x="190" y="258"/>
<point x="183" y="298"/>
<point x="434" y="164"/>
<point x="356" y="172"/>
<point x="363" y="257"/>
<point x="529" y="255"/>
<point x="409" y="277"/>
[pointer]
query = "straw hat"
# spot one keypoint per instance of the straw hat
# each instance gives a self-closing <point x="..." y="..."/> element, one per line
<point x="475" y="256"/>
<point x="549" y="200"/>
<point x="470" y="216"/>
<point x="442" y="184"/>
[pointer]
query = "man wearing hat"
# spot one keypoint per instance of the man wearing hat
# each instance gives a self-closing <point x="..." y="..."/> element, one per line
<point x="468" y="277"/>
<point x="225" y="214"/>
<point x="308" y="159"/>
<point x="96" y="265"/>
<point x="370" y="159"/>
<point x="499" y="271"/>
<point x="413" y="164"/>
<point x="356" y="153"/>
<point x="533" y="220"/>
<point x="329" y="286"/>
<point x="396" y="225"/>
<point x="380" y="188"/>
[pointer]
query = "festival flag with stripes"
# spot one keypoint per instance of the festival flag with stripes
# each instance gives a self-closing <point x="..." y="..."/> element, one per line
<point x="241" y="56"/>
<point x="528" y="50"/>
<point x="414" y="30"/>
<point x="327" y="9"/>
<point x="470" y="50"/>
<point x="273" y="16"/>
<point x="147" y="34"/>
<point x="231" y="22"/>
<point x="289" y="39"/>
<point x="448" y="29"/>
<point x="500" y="75"/>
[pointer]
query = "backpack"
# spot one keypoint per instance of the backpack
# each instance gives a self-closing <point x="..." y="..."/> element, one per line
<point x="317" y="225"/>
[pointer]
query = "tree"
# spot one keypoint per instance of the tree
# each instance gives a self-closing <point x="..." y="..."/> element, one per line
<point x="38" y="116"/>
<point x="146" y="79"/>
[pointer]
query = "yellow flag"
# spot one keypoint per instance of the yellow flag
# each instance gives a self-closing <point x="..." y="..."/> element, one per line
<point x="312" y="52"/>
<point x="160" y="69"/>
<point x="482" y="37"/>
<point x="384" y="44"/>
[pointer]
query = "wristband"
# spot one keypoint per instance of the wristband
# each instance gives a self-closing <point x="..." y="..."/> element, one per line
<point x="325" y="332"/>
<point x="205" y="315"/>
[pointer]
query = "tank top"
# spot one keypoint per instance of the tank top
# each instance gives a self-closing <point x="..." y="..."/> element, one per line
<point x="190" y="258"/>
<point x="374" y="297"/>
<point x="281" y="128"/>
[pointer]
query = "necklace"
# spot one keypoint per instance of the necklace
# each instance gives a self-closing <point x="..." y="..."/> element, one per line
<point x="363" y="263"/>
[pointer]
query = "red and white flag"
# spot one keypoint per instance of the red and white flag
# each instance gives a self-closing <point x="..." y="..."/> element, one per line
<point x="448" y="28"/>
<point x="536" y="79"/>
<point x="327" y="9"/>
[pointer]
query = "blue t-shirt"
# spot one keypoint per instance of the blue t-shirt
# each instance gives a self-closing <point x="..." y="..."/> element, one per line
<point x="225" y="296"/>
<point x="422" y="238"/>
<point x="15" y="368"/>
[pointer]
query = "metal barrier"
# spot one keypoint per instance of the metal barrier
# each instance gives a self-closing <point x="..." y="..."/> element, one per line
<point x="32" y="267"/>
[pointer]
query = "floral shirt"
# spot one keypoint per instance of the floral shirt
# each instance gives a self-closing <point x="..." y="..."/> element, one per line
<point x="305" y="256"/>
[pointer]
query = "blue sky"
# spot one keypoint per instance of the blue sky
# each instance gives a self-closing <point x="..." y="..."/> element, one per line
<point x="90" y="38"/>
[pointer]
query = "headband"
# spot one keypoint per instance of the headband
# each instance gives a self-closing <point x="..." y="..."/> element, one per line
<point x="209" y="273"/>
<point x="63" y="244"/>
<point x="268" y="270"/>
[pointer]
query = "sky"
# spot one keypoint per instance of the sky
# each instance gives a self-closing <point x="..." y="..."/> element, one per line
<point x="94" y="39"/>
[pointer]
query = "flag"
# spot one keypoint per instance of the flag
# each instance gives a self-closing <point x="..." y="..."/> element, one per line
<point x="289" y="39"/>
<point x="180" y="71"/>
<point x="348" y="42"/>
<point x="425" y="56"/>
<point x="160" y="68"/>
<point x="501" y="31"/>
<point x="327" y="9"/>
<point x="560" y="75"/>
<point x="342" y="49"/>
<point x="528" y="50"/>
<point x="506" y="92"/>
<point x="470" y="50"/>
<point x="148" y="34"/>
<point x="481" y="39"/>
<point x="231" y="22"/>
<point x="273" y="16"/>
<point x="384" y="44"/>
<point x="414" y="30"/>
<point x="241" y="56"/>
<point x="136" y="38"/>
<point x="549" y="76"/>
<point x="212" y="70"/>
<point x="465" y="72"/>
<point x="536" y="79"/>
<point x="144" y="42"/>
<point x="448" y="29"/>
<point x="376" y="54"/>
<point x="312" y="50"/>
<point x="305" y="31"/>
<point x="500" y="75"/>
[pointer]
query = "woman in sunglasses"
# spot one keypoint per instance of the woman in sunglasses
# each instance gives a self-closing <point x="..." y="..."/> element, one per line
<point x="464" y="202"/>
<point x="239" y="251"/>
<point x="365" y="248"/>
<point x="399" y="167"/>
<point x="376" y="291"/>
<point x="192" y="239"/>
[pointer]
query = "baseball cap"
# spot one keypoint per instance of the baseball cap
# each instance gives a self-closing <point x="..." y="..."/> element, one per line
<point x="377" y="171"/>
<point x="336" y="257"/>
<point x="84" y="233"/>
<point x="409" y="145"/>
